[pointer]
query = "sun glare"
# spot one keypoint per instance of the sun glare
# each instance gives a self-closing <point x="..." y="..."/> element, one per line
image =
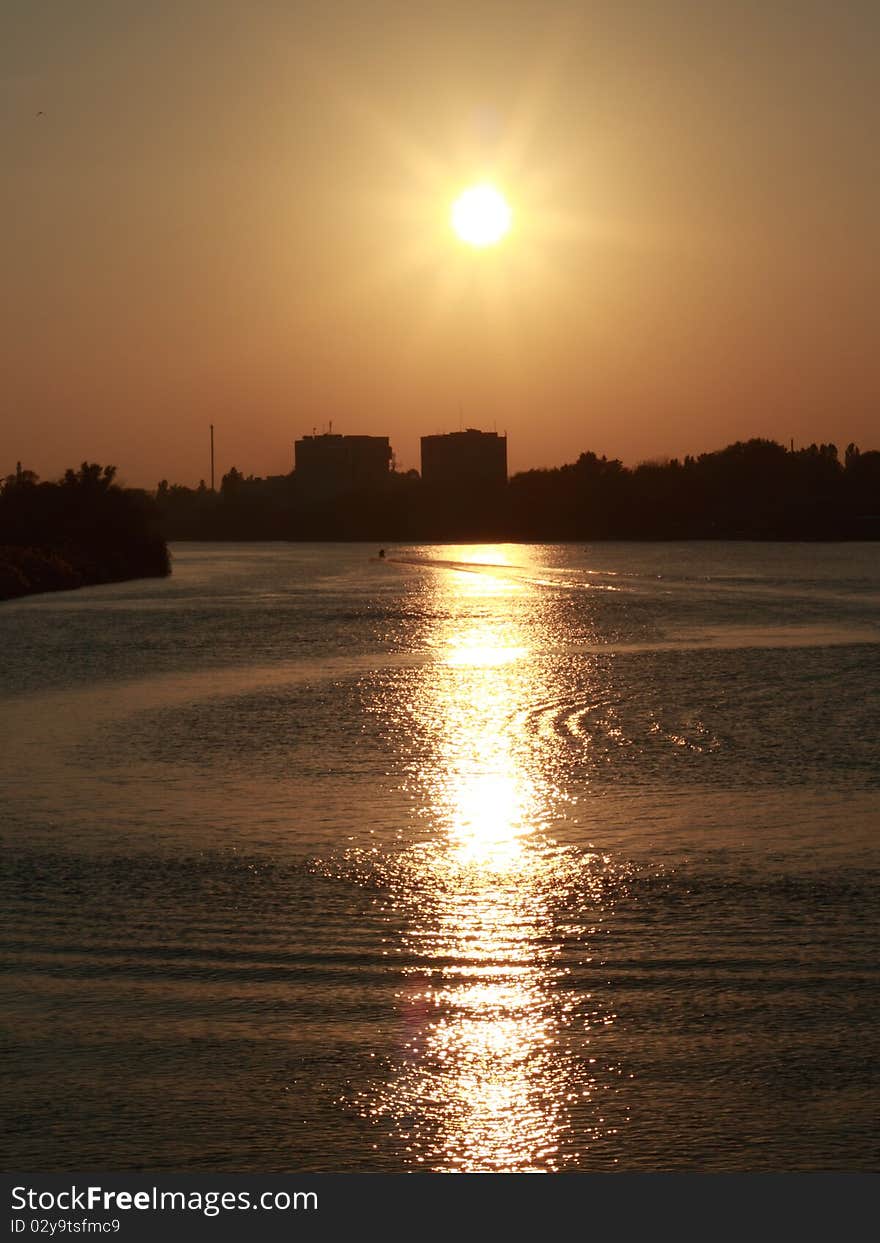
<point x="481" y="215"/>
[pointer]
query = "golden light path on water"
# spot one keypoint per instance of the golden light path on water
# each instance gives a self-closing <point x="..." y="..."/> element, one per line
<point x="495" y="1056"/>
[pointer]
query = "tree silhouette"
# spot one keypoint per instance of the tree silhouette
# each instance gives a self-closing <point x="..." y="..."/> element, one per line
<point x="82" y="529"/>
<point x="752" y="489"/>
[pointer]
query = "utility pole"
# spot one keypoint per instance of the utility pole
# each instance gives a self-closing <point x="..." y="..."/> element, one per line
<point x="212" y="457"/>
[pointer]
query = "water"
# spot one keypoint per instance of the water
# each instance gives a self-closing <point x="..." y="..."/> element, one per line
<point x="531" y="858"/>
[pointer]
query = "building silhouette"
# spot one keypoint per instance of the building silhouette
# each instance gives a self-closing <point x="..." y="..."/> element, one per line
<point x="330" y="465"/>
<point x="461" y="461"/>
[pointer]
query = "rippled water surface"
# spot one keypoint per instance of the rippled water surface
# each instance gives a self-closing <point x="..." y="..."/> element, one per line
<point x="479" y="858"/>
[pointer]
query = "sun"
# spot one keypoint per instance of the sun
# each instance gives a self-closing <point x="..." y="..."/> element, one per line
<point x="481" y="215"/>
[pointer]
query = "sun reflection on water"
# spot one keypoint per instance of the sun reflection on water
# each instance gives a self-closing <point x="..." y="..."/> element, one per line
<point x="494" y="1053"/>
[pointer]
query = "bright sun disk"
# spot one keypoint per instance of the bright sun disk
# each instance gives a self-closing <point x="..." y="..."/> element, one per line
<point x="481" y="215"/>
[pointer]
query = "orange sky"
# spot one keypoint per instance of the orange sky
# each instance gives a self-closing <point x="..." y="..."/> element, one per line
<point x="238" y="213"/>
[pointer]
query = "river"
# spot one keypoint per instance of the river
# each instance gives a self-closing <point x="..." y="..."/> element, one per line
<point x="484" y="857"/>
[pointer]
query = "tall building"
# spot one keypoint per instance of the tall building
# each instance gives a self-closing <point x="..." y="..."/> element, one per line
<point x="329" y="465"/>
<point x="464" y="460"/>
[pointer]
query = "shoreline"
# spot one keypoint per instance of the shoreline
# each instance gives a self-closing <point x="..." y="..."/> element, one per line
<point x="40" y="571"/>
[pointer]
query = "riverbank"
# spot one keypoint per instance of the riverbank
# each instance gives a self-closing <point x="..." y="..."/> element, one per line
<point x="79" y="531"/>
<point x="29" y="571"/>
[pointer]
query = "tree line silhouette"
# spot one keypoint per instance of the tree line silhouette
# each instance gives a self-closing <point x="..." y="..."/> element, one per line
<point x="84" y="528"/>
<point x="755" y="489"/>
<point x="81" y="529"/>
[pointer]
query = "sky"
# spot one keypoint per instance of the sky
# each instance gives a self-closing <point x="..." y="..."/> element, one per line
<point x="238" y="214"/>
